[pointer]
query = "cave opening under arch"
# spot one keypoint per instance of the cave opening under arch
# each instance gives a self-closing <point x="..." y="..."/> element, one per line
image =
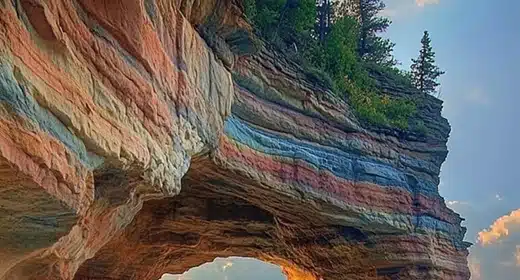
<point x="220" y="215"/>
<point x="231" y="268"/>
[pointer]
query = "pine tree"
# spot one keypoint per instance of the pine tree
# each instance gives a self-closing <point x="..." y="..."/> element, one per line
<point x="373" y="48"/>
<point x="424" y="70"/>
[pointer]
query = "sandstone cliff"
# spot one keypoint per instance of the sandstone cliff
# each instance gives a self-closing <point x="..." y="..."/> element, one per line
<point x="144" y="137"/>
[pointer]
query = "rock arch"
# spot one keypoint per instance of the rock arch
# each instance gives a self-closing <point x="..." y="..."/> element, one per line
<point x="213" y="217"/>
<point x="143" y="137"/>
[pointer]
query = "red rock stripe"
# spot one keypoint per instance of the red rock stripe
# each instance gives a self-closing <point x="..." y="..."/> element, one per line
<point x="47" y="163"/>
<point x="362" y="194"/>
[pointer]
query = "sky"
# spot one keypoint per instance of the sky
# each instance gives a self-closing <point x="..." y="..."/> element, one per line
<point x="231" y="269"/>
<point x="477" y="43"/>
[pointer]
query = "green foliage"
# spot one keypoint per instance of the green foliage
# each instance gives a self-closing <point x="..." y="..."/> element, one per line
<point x="282" y="20"/>
<point x="264" y="14"/>
<point x="320" y="77"/>
<point x="250" y="9"/>
<point x="339" y="62"/>
<point x="393" y="76"/>
<point x="424" y="70"/>
<point x="379" y="51"/>
<point x="301" y="17"/>
<point x="350" y="76"/>
<point x="373" y="48"/>
<point x="268" y="16"/>
<point x="420" y="128"/>
<point x="341" y="59"/>
<point x="380" y="109"/>
<point x="398" y="111"/>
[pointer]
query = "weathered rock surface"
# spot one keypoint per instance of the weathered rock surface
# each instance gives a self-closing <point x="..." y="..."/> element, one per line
<point x="144" y="137"/>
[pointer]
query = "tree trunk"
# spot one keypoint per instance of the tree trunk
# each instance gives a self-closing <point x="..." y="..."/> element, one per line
<point x="323" y="18"/>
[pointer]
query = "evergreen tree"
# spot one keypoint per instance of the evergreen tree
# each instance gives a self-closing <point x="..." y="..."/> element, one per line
<point x="373" y="48"/>
<point x="424" y="70"/>
<point x="282" y="22"/>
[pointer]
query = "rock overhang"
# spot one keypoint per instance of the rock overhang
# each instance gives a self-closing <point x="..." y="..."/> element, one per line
<point x="110" y="110"/>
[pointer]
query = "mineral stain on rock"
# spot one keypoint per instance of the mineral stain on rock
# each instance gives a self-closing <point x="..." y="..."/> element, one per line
<point x="159" y="135"/>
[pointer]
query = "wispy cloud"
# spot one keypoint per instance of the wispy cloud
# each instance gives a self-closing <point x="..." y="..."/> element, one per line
<point x="456" y="202"/>
<point x="396" y="9"/>
<point x="422" y="3"/>
<point x="458" y="205"/>
<point x="500" y="228"/>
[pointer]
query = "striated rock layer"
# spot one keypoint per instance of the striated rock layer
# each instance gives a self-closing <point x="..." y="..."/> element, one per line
<point x="143" y="137"/>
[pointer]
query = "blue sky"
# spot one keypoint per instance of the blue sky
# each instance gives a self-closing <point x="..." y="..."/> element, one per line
<point x="477" y="43"/>
<point x="231" y="269"/>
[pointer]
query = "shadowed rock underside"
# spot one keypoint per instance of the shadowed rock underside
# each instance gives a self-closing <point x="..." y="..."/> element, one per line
<point x="143" y="137"/>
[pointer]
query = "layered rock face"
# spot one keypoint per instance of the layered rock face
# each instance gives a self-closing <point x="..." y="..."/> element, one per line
<point x="145" y="137"/>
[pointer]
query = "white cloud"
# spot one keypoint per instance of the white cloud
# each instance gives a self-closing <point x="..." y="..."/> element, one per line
<point x="422" y="3"/>
<point x="403" y="8"/>
<point x="456" y="202"/>
<point x="458" y="206"/>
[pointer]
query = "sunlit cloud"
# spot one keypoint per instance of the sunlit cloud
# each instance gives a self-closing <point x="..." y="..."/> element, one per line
<point x="499" y="229"/>
<point x="422" y="3"/>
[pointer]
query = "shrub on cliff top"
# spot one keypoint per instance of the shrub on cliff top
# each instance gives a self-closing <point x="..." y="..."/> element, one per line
<point x="282" y="19"/>
<point x="321" y="77"/>
<point x="334" y="60"/>
<point x="379" y="109"/>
